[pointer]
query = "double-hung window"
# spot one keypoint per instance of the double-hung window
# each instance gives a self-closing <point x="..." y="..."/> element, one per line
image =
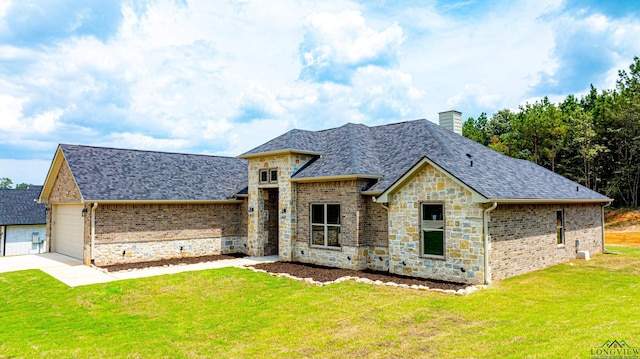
<point x="433" y="233"/>
<point x="325" y="224"/>
<point x="560" y="227"/>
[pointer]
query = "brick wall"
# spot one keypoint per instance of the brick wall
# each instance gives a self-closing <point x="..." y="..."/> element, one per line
<point x="142" y="232"/>
<point x="363" y="226"/>
<point x="65" y="189"/>
<point x="158" y="222"/>
<point x="345" y="193"/>
<point x="374" y="223"/>
<point x="523" y="237"/>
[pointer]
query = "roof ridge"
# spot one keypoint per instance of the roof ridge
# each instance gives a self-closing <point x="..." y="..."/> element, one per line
<point x="440" y="143"/>
<point x="352" y="148"/>
<point x="146" y="151"/>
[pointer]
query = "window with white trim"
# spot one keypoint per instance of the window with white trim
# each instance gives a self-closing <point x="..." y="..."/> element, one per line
<point x="325" y="224"/>
<point x="433" y="233"/>
<point x="560" y="227"/>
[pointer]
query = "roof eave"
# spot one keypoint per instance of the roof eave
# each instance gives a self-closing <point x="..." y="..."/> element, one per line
<point x="22" y="224"/>
<point x="163" y="201"/>
<point x="371" y="193"/>
<point x="547" y="200"/>
<point x="280" y="152"/>
<point x="335" y="178"/>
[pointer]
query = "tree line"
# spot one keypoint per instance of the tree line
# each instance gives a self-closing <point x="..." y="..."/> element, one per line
<point x="593" y="139"/>
<point x="7" y="183"/>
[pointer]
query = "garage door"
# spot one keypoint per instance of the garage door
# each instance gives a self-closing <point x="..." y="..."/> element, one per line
<point x="68" y="230"/>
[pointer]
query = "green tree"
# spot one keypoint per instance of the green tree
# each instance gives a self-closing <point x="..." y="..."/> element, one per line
<point x="581" y="145"/>
<point x="501" y="133"/>
<point x="476" y="129"/>
<point x="625" y="114"/>
<point x="22" y="185"/>
<point x="5" y="183"/>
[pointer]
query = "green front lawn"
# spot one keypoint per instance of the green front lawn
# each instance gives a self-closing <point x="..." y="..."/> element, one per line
<point x="562" y="312"/>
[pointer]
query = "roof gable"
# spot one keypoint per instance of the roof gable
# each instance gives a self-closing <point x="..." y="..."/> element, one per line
<point x="19" y="207"/>
<point x="108" y="174"/>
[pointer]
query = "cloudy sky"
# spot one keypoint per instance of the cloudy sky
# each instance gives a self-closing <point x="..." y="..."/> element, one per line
<point x="221" y="77"/>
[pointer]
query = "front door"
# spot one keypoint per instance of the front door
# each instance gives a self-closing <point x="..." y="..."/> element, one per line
<point x="272" y="224"/>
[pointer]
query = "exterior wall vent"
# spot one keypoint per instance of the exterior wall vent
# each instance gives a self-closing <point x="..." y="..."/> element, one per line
<point x="451" y="120"/>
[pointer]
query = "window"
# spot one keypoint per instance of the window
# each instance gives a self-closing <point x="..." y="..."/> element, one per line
<point x="325" y="225"/>
<point x="560" y="227"/>
<point x="264" y="176"/>
<point x="433" y="234"/>
<point x="268" y="175"/>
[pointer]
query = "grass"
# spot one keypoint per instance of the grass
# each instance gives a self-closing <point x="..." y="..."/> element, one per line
<point x="562" y="312"/>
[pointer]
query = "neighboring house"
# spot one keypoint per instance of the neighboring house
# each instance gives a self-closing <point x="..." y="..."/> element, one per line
<point x="22" y="222"/>
<point x="411" y="198"/>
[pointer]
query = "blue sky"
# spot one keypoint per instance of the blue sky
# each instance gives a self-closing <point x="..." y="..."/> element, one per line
<point x="221" y="77"/>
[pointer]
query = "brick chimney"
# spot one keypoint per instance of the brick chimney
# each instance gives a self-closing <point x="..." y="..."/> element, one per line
<point x="451" y="120"/>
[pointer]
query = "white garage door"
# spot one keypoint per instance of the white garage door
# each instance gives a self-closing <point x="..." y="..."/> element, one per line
<point x="68" y="230"/>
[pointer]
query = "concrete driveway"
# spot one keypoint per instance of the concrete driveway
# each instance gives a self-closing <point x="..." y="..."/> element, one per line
<point x="74" y="273"/>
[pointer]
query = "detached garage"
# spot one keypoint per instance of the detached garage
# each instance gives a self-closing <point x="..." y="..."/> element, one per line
<point x="108" y="206"/>
<point x="22" y="222"/>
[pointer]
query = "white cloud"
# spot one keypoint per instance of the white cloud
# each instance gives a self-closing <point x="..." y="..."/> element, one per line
<point x="474" y="94"/>
<point x="4" y="6"/>
<point x="224" y="76"/>
<point x="144" y="142"/>
<point x="346" y="38"/>
<point x="334" y="43"/>
<point x="499" y="53"/>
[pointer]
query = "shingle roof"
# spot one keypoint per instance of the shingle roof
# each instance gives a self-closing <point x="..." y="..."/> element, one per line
<point x="120" y="174"/>
<point x="389" y="151"/>
<point x="19" y="207"/>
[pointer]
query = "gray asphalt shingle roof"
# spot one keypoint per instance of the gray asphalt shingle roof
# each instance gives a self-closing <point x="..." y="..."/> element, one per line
<point x="19" y="207"/>
<point x="120" y="174"/>
<point x="389" y="151"/>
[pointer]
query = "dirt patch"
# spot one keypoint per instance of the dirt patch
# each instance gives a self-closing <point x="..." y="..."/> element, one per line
<point x="622" y="238"/>
<point x="329" y="274"/>
<point x="171" y="261"/>
<point x="622" y="220"/>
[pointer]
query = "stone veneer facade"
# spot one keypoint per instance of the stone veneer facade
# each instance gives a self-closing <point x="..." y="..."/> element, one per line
<point x="523" y="237"/>
<point x="463" y="261"/>
<point x="287" y="165"/>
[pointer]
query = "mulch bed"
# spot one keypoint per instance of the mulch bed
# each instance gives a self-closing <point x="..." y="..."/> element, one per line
<point x="329" y="274"/>
<point x="296" y="269"/>
<point x="171" y="261"/>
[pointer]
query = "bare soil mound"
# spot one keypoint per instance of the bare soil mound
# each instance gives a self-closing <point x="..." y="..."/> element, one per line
<point x="622" y="226"/>
<point x="622" y="220"/>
